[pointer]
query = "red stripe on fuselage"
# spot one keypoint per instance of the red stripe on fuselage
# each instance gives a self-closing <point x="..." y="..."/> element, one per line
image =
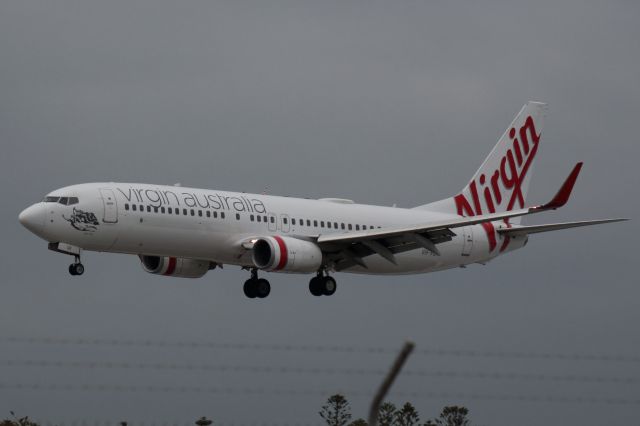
<point x="172" y="266"/>
<point x="283" y="253"/>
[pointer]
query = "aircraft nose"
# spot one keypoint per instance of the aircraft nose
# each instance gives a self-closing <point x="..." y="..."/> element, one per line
<point x="32" y="218"/>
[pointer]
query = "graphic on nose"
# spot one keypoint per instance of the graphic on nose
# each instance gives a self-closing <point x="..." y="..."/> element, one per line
<point x="32" y="218"/>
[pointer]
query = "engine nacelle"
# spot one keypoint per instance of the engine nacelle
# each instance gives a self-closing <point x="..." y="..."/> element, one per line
<point x="175" y="266"/>
<point x="286" y="254"/>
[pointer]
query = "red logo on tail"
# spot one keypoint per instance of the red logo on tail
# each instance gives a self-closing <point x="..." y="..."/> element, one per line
<point x="503" y="187"/>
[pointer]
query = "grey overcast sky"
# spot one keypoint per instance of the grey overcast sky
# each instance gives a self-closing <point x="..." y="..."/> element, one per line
<point x="382" y="102"/>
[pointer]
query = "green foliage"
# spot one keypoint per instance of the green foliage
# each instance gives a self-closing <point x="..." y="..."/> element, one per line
<point x="22" y="421"/>
<point x="453" y="416"/>
<point x="337" y="411"/>
<point x="358" y="422"/>
<point x="407" y="416"/>
<point x="386" y="414"/>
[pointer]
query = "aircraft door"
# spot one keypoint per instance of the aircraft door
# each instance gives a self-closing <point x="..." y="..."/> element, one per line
<point x="110" y="214"/>
<point x="285" y="222"/>
<point x="273" y="226"/>
<point x="467" y="240"/>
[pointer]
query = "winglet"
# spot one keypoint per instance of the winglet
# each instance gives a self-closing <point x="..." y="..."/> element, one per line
<point x="561" y="198"/>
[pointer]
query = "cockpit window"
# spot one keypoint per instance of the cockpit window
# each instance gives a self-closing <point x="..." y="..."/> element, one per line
<point x="66" y="201"/>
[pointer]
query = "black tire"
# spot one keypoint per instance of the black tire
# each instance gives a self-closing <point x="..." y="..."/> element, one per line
<point x="263" y="288"/>
<point x="78" y="268"/>
<point x="329" y="286"/>
<point x="72" y="269"/>
<point x="315" y="286"/>
<point x="250" y="289"/>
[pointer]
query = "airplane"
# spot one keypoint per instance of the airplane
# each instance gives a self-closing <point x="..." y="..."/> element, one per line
<point x="185" y="232"/>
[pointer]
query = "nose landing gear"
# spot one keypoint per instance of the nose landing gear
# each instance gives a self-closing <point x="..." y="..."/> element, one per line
<point x="76" y="268"/>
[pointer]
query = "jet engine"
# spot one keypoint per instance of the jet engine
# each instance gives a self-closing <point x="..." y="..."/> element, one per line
<point x="176" y="266"/>
<point x="286" y="254"/>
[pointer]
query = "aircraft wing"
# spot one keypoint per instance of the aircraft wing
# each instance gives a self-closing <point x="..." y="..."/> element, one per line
<point x="534" y="229"/>
<point x="348" y="249"/>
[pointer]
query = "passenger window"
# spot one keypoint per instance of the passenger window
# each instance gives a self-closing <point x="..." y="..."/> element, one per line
<point x="126" y="206"/>
<point x="342" y="225"/>
<point x="335" y="225"/>
<point x="133" y="207"/>
<point x="273" y="219"/>
<point x="148" y="209"/>
<point x="193" y="212"/>
<point x="284" y="220"/>
<point x="315" y="223"/>
<point x="141" y="208"/>
<point x="184" y="212"/>
<point x="308" y="222"/>
<point x="222" y="215"/>
<point x="208" y="213"/>
<point x="215" y="215"/>
<point x="259" y="218"/>
<point x="177" y="211"/>
<point x="169" y="210"/>
<point x="357" y="227"/>
<point x="237" y="216"/>
<point x="161" y="209"/>
<point x="293" y="221"/>
<point x="155" y="209"/>
<point x="200" y="213"/>
<point x="264" y="218"/>
<point x="350" y="227"/>
<point x="301" y="221"/>
<point x="251" y="217"/>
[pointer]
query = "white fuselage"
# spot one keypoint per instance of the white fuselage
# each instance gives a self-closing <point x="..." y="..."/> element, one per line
<point x="211" y="225"/>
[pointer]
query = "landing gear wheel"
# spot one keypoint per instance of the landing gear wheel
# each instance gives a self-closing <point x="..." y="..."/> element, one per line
<point x="329" y="286"/>
<point x="250" y="288"/>
<point x="76" y="269"/>
<point x="263" y="288"/>
<point x="315" y="286"/>
<point x="79" y="268"/>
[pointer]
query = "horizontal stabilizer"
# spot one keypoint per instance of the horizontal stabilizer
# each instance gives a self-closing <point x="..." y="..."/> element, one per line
<point x="534" y="229"/>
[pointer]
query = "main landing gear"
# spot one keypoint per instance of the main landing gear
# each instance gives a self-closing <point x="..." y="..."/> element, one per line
<point x="256" y="287"/>
<point x="322" y="285"/>
<point x="76" y="268"/>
